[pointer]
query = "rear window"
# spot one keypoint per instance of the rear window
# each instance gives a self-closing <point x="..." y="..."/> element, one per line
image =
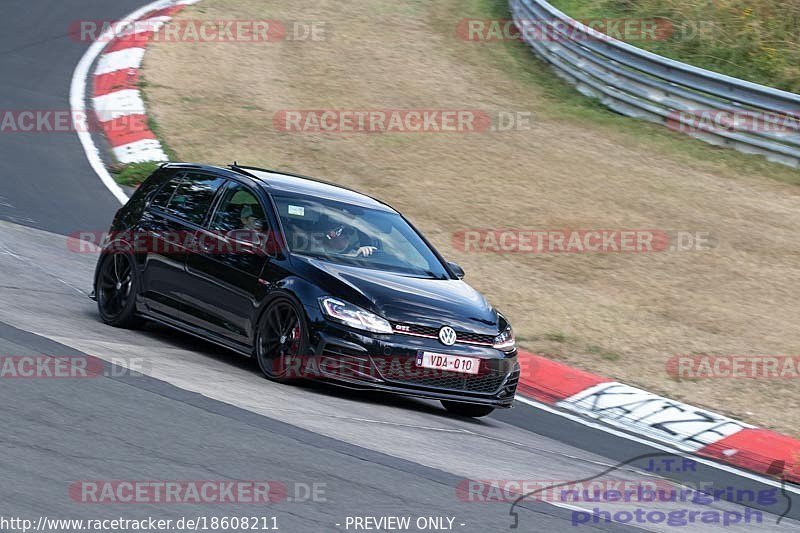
<point x="162" y="198"/>
<point x="189" y="196"/>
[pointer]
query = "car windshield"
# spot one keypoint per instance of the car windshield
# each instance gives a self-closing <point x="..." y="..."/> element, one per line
<point x="348" y="234"/>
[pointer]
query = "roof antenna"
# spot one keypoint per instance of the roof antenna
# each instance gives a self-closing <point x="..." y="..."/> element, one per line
<point x="235" y="166"/>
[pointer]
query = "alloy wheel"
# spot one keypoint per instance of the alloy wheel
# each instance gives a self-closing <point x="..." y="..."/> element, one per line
<point x="280" y="338"/>
<point x="114" y="285"/>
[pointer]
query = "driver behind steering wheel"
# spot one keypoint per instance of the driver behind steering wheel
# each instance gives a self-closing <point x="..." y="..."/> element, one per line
<point x="343" y="239"/>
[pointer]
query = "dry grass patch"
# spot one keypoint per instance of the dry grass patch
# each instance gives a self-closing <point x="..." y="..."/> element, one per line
<point x="622" y="315"/>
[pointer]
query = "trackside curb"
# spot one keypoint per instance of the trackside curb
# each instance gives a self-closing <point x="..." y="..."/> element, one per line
<point x="118" y="104"/>
<point x="688" y="428"/>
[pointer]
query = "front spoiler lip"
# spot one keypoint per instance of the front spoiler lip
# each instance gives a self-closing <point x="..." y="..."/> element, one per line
<point x="504" y="403"/>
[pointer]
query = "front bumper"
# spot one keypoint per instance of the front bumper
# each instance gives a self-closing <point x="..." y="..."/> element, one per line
<point x="388" y="363"/>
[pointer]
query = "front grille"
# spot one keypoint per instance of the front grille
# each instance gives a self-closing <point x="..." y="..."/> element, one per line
<point x="415" y="329"/>
<point x="474" y="338"/>
<point x="433" y="333"/>
<point x="496" y="377"/>
<point x="487" y="382"/>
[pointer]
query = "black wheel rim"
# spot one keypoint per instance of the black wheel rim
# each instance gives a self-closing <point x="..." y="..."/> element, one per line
<point x="280" y="338"/>
<point x="114" y="285"/>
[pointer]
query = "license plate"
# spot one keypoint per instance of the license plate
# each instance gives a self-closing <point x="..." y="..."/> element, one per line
<point x="452" y="363"/>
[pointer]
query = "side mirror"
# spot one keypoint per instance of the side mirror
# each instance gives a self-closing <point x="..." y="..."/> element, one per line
<point x="456" y="269"/>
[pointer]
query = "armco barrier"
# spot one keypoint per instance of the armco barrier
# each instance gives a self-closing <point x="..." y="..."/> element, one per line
<point x="644" y="85"/>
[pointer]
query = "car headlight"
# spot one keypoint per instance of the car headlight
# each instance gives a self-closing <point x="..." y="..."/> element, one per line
<point x="505" y="341"/>
<point x="353" y="316"/>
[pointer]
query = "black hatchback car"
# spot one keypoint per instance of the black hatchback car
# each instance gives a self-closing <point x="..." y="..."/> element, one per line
<point x="312" y="279"/>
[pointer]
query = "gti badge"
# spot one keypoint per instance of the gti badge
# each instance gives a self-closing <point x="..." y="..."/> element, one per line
<point x="447" y="336"/>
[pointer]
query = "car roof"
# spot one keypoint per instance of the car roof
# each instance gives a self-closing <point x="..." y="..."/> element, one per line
<point x="275" y="181"/>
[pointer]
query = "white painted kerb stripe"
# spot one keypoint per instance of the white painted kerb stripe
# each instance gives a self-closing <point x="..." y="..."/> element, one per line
<point x="140" y="151"/>
<point x="142" y="26"/>
<point x="130" y="58"/>
<point x="682" y="425"/>
<point x="118" y="104"/>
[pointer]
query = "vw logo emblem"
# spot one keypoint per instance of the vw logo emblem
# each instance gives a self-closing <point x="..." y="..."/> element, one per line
<point x="447" y="336"/>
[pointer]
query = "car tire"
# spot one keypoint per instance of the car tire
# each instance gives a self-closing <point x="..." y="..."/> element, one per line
<point x="115" y="289"/>
<point x="472" y="410"/>
<point x="273" y="348"/>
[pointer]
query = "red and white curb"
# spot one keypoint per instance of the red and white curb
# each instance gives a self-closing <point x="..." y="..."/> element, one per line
<point x="685" y="427"/>
<point x="117" y="102"/>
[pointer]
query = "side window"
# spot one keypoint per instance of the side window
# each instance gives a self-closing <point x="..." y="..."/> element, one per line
<point x="239" y="210"/>
<point x="193" y="196"/>
<point x="163" y="196"/>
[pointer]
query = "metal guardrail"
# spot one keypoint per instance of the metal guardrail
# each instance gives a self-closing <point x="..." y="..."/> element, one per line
<point x="715" y="108"/>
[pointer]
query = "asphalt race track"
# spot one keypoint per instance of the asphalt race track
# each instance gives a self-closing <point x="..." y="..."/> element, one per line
<point x="45" y="183"/>
<point x="193" y="411"/>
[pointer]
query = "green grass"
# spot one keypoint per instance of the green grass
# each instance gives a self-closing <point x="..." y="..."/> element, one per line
<point x="757" y="40"/>
<point x="133" y="174"/>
